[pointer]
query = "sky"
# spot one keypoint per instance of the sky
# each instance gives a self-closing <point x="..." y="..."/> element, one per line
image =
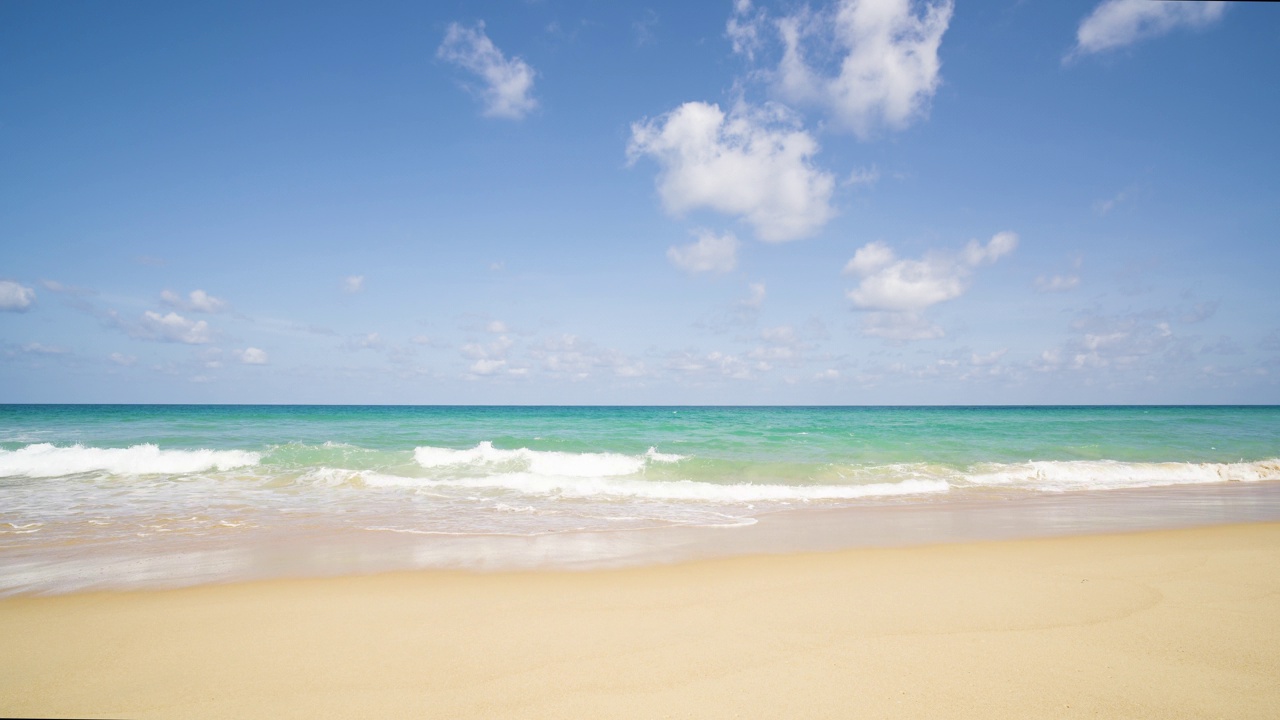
<point x="853" y="202"/>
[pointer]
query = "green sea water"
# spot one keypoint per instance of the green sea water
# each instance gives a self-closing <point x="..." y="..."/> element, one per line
<point x="868" y="435"/>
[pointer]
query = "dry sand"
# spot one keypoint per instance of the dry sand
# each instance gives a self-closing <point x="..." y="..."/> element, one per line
<point x="1171" y="624"/>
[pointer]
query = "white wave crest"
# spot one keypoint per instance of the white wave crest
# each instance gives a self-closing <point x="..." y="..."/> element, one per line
<point x="588" y="487"/>
<point x="48" y="460"/>
<point x="540" y="462"/>
<point x="1055" y="476"/>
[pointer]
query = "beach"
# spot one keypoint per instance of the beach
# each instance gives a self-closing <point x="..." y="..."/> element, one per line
<point x="1171" y="624"/>
<point x="455" y="562"/>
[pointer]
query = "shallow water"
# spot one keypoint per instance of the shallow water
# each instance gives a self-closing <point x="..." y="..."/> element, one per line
<point x="129" y="495"/>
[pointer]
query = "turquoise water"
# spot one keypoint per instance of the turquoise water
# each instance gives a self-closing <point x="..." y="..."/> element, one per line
<point x="129" y="479"/>
<point x="783" y="435"/>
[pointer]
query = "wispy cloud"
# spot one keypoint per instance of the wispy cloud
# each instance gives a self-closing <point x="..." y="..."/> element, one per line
<point x="353" y="284"/>
<point x="1114" y="24"/>
<point x="507" y="83"/>
<point x="1057" y="283"/>
<point x="710" y="253"/>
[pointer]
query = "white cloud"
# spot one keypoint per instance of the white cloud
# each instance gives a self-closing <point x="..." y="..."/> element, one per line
<point x="828" y="374"/>
<point x="486" y="366"/>
<point x="15" y="297"/>
<point x="897" y="291"/>
<point x="753" y="163"/>
<point x="869" y="258"/>
<point x="196" y="301"/>
<point x="1057" y="283"/>
<point x="711" y="253"/>
<point x="122" y="359"/>
<point x="1117" y="23"/>
<point x="353" y="284"/>
<point x="496" y="326"/>
<point x="508" y="83"/>
<point x="894" y="285"/>
<point x="174" y="328"/>
<point x="888" y="60"/>
<point x="253" y="356"/>
<point x="743" y="28"/>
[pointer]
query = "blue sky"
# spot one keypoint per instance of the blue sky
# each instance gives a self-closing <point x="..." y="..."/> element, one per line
<point x="851" y="202"/>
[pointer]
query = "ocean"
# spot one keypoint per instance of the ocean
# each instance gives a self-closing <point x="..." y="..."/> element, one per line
<point x="135" y="495"/>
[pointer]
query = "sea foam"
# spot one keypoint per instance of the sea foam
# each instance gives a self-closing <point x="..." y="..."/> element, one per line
<point x="540" y="462"/>
<point x="1063" y="475"/>
<point x="48" y="460"/>
<point x="529" y="484"/>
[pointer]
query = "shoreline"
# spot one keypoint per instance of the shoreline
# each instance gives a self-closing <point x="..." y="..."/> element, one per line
<point x="167" y="563"/>
<point x="1169" y="623"/>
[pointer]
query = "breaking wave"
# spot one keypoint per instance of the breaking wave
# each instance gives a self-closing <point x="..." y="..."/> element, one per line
<point x="48" y="460"/>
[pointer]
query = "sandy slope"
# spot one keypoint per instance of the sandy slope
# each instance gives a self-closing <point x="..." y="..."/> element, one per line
<point x="1172" y="624"/>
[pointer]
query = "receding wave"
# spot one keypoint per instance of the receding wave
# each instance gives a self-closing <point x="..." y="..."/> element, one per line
<point x="48" y="460"/>
<point x="587" y="487"/>
<point x="1063" y="475"/>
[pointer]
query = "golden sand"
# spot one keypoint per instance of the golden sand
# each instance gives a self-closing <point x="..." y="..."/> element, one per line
<point x="1173" y="624"/>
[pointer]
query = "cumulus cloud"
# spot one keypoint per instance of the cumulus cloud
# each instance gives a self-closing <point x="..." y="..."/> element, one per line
<point x="496" y="326"/>
<point x="353" y="284"/>
<point x="756" y="298"/>
<point x="174" y="328"/>
<point x="1115" y="24"/>
<point x="897" y="291"/>
<point x="253" y="356"/>
<point x="710" y="253"/>
<point x="507" y="83"/>
<point x="754" y="163"/>
<point x="15" y="297"/>
<point x="196" y="301"/>
<point x="888" y="68"/>
<point x="122" y="359"/>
